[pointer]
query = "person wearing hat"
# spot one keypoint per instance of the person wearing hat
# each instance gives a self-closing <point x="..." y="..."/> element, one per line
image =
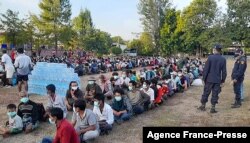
<point x="214" y="76"/>
<point x="92" y="89"/>
<point x="237" y="76"/>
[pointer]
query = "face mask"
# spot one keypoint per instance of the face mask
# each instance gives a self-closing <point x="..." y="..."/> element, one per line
<point x="158" y="86"/>
<point x="91" y="82"/>
<point x="123" y="76"/>
<point x="74" y="88"/>
<point x="144" y="86"/>
<point x="52" y="122"/>
<point x="11" y="114"/>
<point x="118" y="98"/>
<point x="130" y="88"/>
<point x="115" y="77"/>
<point x="96" y="103"/>
<point x="24" y="100"/>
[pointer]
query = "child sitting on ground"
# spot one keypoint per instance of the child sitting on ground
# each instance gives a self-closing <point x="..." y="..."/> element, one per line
<point x="15" y="124"/>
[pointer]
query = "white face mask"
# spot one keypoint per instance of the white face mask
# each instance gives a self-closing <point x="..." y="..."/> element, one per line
<point x="91" y="82"/>
<point x="130" y="88"/>
<point x="123" y="75"/>
<point x="52" y="122"/>
<point x="115" y="77"/>
<point x="96" y="103"/>
<point x="74" y="87"/>
<point x="158" y="86"/>
<point x="118" y="98"/>
<point x="144" y="86"/>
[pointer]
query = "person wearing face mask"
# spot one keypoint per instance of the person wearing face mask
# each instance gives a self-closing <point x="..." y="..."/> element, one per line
<point x="176" y="80"/>
<point x="183" y="82"/>
<point x="15" y="124"/>
<point x="104" y="113"/>
<point x="54" y="100"/>
<point x="28" y="111"/>
<point x="139" y="100"/>
<point x="65" y="132"/>
<point x="85" y="122"/>
<point x="124" y="79"/>
<point x="72" y="95"/>
<point x="121" y="106"/>
<point x="237" y="77"/>
<point x="106" y="86"/>
<point x="92" y="89"/>
<point x="149" y="91"/>
<point x="117" y="79"/>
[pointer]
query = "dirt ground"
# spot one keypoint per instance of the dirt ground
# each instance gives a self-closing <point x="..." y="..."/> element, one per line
<point x="179" y="110"/>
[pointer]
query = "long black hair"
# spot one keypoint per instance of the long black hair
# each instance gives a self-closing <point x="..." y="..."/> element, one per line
<point x="71" y="83"/>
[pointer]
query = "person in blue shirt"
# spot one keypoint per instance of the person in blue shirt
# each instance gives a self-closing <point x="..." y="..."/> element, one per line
<point x="237" y="76"/>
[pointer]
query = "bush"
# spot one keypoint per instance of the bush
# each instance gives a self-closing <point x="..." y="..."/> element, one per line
<point x="116" y="50"/>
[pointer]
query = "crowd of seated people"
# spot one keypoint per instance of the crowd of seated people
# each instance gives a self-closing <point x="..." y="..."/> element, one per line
<point x="104" y="102"/>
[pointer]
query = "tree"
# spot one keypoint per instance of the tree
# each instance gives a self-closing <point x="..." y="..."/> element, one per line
<point x="152" y="12"/>
<point x="118" y="39"/>
<point x="238" y="23"/>
<point x="83" y="26"/>
<point x="116" y="50"/>
<point x="171" y="33"/>
<point x="12" y="25"/>
<point x="198" y="17"/>
<point x="147" y="43"/>
<point x="136" y="44"/>
<point x="54" y="18"/>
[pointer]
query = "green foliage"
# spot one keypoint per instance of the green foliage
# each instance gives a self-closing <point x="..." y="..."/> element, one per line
<point x="199" y="17"/>
<point x="153" y="13"/>
<point x="238" y="21"/>
<point x="12" y="25"/>
<point x="116" y="50"/>
<point x="118" y="39"/>
<point x="54" y="20"/>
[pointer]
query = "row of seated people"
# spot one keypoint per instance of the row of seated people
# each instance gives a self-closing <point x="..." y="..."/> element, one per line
<point x="108" y="102"/>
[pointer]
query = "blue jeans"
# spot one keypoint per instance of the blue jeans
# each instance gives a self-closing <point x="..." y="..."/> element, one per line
<point x="122" y="117"/>
<point x="242" y="91"/>
<point x="138" y="109"/>
<point x="47" y="140"/>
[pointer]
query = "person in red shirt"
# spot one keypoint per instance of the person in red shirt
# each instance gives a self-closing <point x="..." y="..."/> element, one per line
<point x="13" y="55"/>
<point x="65" y="132"/>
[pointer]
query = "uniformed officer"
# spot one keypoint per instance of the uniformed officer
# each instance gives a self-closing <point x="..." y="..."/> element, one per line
<point x="237" y="76"/>
<point x="214" y="76"/>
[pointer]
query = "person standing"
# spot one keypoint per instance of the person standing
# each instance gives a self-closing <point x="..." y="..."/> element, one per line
<point x="237" y="76"/>
<point x="215" y="73"/>
<point x="22" y="64"/>
<point x="8" y="66"/>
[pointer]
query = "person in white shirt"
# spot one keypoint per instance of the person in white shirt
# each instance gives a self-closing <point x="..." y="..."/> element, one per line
<point x="117" y="79"/>
<point x="8" y="66"/>
<point x="149" y="91"/>
<point x="124" y="79"/>
<point x="104" y="113"/>
<point x="54" y="101"/>
<point x="15" y="124"/>
<point x="22" y="64"/>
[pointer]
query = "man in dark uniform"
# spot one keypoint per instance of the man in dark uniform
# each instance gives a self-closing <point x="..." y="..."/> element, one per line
<point x="215" y="73"/>
<point x="237" y="76"/>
